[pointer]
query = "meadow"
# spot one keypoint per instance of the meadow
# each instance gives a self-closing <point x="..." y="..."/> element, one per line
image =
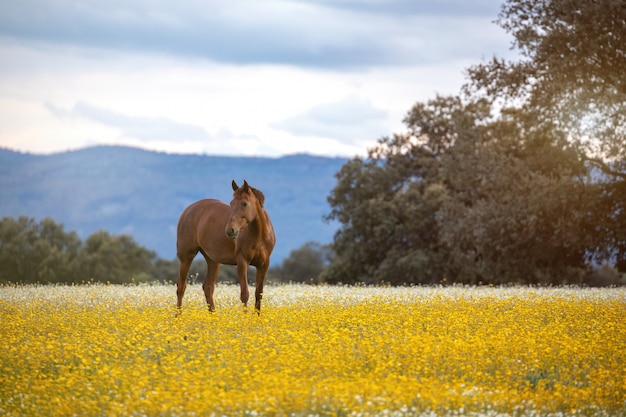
<point x="98" y="350"/>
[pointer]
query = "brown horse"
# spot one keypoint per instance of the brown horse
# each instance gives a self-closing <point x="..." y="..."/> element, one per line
<point x="240" y="234"/>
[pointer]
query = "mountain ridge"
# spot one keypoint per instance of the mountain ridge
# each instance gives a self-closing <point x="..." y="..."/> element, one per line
<point x="142" y="193"/>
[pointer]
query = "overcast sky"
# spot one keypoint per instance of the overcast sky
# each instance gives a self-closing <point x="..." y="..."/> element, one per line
<point x="235" y="77"/>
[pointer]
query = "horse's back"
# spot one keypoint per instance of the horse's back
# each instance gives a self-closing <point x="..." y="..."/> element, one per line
<point x="208" y="216"/>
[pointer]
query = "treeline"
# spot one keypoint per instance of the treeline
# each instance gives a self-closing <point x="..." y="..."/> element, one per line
<point x="44" y="252"/>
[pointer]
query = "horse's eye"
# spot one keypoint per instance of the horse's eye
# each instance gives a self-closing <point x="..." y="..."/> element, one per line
<point x="244" y="204"/>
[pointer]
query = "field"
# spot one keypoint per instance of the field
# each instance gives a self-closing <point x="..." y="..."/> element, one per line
<point x="99" y="350"/>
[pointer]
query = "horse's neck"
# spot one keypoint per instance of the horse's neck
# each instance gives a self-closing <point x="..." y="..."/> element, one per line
<point x="260" y="226"/>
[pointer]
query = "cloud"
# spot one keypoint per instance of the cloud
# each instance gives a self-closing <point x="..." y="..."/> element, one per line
<point x="231" y="77"/>
<point x="143" y="128"/>
<point x="314" y="33"/>
<point x="412" y="7"/>
<point x="348" y="121"/>
<point x="161" y="133"/>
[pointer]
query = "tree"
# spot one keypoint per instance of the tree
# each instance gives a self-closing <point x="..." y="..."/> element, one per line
<point x="16" y="247"/>
<point x="465" y="195"/>
<point x="571" y="69"/>
<point x="37" y="252"/>
<point x="388" y="203"/>
<point x="114" y="259"/>
<point x="526" y="227"/>
<point x="571" y="74"/>
<point x="498" y="184"/>
<point x="165" y="270"/>
<point x="304" y="264"/>
<point x="58" y="252"/>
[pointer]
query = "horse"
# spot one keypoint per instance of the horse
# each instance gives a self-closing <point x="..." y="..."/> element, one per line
<point x="237" y="234"/>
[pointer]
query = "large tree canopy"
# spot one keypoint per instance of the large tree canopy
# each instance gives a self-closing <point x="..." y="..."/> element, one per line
<point x="458" y="197"/>
<point x="573" y="55"/>
<point x="496" y="185"/>
<point x="571" y="74"/>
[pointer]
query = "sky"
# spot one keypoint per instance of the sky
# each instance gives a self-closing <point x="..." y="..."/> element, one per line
<point x="234" y="77"/>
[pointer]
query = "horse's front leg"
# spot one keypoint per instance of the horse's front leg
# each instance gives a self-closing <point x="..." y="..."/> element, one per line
<point x="261" y="270"/>
<point x="242" y="272"/>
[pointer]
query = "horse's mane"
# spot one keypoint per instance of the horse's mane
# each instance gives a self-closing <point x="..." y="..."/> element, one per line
<point x="257" y="193"/>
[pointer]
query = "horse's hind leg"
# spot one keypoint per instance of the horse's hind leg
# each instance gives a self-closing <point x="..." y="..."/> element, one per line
<point x="213" y="269"/>
<point x="183" y="272"/>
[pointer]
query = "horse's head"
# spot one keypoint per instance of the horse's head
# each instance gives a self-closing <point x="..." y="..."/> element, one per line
<point x="247" y="201"/>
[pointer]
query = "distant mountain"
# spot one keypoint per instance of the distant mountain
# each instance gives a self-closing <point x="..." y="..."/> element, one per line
<point x="142" y="193"/>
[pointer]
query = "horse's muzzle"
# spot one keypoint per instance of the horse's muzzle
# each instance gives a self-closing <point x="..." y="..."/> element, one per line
<point x="232" y="233"/>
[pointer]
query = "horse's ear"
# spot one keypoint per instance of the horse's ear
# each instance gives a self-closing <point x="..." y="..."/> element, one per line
<point x="245" y="186"/>
<point x="259" y="195"/>
<point x="235" y="186"/>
